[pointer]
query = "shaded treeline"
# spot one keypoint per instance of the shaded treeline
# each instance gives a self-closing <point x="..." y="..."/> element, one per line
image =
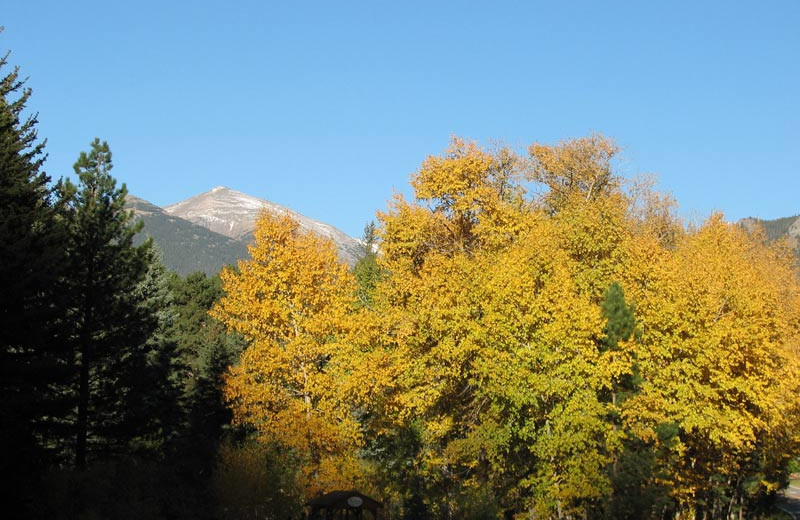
<point x="110" y="399"/>
<point x="777" y="228"/>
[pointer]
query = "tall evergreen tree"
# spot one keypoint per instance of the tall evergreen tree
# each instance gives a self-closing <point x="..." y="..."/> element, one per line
<point x="111" y="322"/>
<point x="154" y="402"/>
<point x="630" y="470"/>
<point x="367" y="270"/>
<point x="206" y="351"/>
<point x="31" y="254"/>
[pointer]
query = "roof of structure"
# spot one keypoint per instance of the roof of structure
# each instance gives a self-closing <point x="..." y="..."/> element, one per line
<point x="345" y="500"/>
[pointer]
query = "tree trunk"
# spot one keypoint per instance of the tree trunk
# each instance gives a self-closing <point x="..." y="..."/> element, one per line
<point x="83" y="404"/>
<point x="82" y="427"/>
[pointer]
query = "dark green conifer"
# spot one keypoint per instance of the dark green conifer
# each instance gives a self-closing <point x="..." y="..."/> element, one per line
<point x="206" y="351"/>
<point x="636" y="490"/>
<point x="32" y="362"/>
<point x="367" y="270"/>
<point x="621" y="323"/>
<point x="111" y="323"/>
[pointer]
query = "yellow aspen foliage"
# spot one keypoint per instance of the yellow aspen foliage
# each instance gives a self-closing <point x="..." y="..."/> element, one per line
<point x="289" y="301"/>
<point x="653" y="213"/>
<point x="491" y="321"/>
<point x="490" y="345"/>
<point x="578" y="167"/>
<point x="595" y="235"/>
<point x="540" y="369"/>
<point x="720" y="317"/>
<point x="467" y="199"/>
<point x="575" y="353"/>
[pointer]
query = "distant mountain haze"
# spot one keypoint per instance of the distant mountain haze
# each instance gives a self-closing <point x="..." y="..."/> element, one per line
<point x="211" y="230"/>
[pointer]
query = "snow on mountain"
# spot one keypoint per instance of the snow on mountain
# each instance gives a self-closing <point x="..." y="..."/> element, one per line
<point x="234" y="214"/>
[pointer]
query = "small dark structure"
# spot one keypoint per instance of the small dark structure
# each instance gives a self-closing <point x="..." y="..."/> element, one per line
<point x="343" y="505"/>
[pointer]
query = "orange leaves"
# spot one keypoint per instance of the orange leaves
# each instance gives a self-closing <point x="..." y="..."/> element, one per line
<point x="492" y="314"/>
<point x="491" y="321"/>
<point x="467" y="199"/>
<point x="456" y="180"/>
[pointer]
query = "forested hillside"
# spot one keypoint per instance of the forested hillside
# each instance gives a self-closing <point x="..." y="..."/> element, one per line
<point x="185" y="247"/>
<point x="780" y="227"/>
<point x="786" y="229"/>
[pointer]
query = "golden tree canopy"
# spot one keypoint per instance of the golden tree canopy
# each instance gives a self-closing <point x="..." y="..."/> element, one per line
<point x="289" y="301"/>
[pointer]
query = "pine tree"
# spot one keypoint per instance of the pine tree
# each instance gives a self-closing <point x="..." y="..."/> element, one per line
<point x="621" y="324"/>
<point x="367" y="271"/>
<point x="31" y="254"/>
<point x="206" y="351"/>
<point x="634" y="487"/>
<point x="111" y="322"/>
<point x="153" y="402"/>
<point x="620" y="327"/>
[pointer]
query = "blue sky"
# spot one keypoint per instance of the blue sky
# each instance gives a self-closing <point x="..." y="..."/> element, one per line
<point x="327" y="107"/>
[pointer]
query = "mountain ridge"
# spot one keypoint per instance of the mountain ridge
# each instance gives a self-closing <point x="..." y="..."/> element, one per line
<point x="213" y="229"/>
<point x="184" y="246"/>
<point x="234" y="214"/>
<point x="777" y="229"/>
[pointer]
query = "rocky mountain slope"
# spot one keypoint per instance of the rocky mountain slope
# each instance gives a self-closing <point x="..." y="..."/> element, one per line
<point x="185" y="247"/>
<point x="234" y="214"/>
<point x="211" y="230"/>
<point x="786" y="227"/>
<point x="777" y="228"/>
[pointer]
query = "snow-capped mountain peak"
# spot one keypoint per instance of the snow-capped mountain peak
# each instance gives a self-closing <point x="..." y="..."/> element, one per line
<point x="234" y="214"/>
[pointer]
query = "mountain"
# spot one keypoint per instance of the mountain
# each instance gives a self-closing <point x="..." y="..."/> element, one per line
<point x="786" y="227"/>
<point x="777" y="228"/>
<point x="234" y="214"/>
<point x="212" y="230"/>
<point x="185" y="247"/>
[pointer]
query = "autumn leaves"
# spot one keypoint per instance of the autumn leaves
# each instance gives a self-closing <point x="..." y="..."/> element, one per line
<point x="487" y="363"/>
<point x="290" y="301"/>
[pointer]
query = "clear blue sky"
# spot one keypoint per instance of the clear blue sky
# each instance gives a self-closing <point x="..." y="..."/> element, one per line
<point x="327" y="107"/>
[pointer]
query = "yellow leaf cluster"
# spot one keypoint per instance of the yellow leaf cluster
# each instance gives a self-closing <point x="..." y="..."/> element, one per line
<point x="289" y="301"/>
<point x="491" y="330"/>
<point x="719" y="317"/>
<point x="486" y="343"/>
